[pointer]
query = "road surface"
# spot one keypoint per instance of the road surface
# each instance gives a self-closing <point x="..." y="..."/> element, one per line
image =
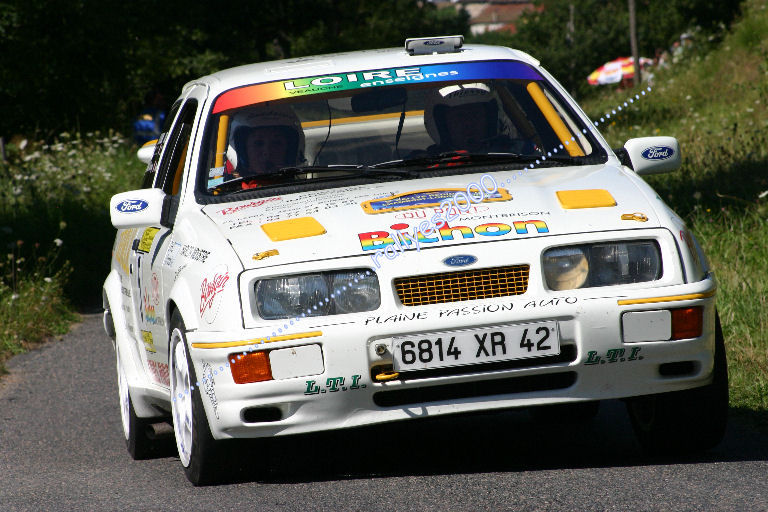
<point x="61" y="448"/>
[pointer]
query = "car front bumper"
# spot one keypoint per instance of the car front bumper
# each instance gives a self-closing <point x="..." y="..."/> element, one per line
<point x="595" y="363"/>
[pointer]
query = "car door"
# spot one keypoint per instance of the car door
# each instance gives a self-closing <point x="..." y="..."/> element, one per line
<point x="151" y="242"/>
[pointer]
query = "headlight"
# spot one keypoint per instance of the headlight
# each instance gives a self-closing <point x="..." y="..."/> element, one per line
<point x="604" y="264"/>
<point x="319" y="294"/>
<point x="565" y="268"/>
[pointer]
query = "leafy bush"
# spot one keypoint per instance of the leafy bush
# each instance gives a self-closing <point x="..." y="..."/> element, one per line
<point x="54" y="223"/>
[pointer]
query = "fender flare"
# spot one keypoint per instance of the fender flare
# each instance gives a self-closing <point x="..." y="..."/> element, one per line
<point x="183" y="297"/>
<point x="139" y="386"/>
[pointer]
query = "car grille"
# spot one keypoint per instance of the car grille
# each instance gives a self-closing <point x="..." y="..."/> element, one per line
<point x="482" y="283"/>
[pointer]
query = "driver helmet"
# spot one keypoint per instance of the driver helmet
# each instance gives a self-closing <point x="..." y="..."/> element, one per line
<point x="444" y="99"/>
<point x="264" y="116"/>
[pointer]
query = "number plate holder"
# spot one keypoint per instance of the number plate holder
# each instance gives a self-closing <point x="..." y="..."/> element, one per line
<point x="475" y="346"/>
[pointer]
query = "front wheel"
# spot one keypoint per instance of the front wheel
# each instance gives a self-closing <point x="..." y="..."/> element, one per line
<point x="198" y="451"/>
<point x="687" y="421"/>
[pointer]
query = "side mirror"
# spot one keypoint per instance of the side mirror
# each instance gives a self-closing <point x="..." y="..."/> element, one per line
<point x="146" y="151"/>
<point x="137" y="208"/>
<point x="651" y="155"/>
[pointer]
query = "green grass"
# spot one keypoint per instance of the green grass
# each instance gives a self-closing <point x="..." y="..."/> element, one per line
<point x="715" y="103"/>
<point x="56" y="232"/>
<point x="737" y="245"/>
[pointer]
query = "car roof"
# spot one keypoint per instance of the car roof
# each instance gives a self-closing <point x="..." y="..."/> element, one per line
<point x="362" y="60"/>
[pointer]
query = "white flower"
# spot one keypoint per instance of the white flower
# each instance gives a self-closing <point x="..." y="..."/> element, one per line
<point x="47" y="279"/>
<point x="23" y="144"/>
<point x="14" y="296"/>
<point x="58" y="242"/>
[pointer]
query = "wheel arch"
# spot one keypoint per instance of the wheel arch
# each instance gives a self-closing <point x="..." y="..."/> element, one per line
<point x="140" y="388"/>
<point x="181" y="299"/>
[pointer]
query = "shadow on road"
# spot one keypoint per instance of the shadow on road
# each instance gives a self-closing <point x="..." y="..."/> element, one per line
<point x="509" y="441"/>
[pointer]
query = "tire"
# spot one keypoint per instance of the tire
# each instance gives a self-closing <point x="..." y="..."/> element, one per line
<point x="135" y="429"/>
<point x="579" y="412"/>
<point x="198" y="451"/>
<point x="685" y="422"/>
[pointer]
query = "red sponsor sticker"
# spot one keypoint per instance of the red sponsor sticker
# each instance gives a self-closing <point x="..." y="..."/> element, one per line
<point x="210" y="288"/>
<point x="252" y="204"/>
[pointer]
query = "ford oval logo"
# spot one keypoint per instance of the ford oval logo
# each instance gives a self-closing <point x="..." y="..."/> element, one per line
<point x="658" y="153"/>
<point x="460" y="260"/>
<point x="131" y="206"/>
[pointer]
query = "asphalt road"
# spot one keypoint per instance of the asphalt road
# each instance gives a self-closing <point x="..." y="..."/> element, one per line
<point x="61" y="448"/>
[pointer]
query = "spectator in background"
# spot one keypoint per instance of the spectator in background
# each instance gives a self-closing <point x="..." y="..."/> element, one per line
<point x="661" y="60"/>
<point x="149" y="123"/>
<point x="686" y="43"/>
<point x="677" y="52"/>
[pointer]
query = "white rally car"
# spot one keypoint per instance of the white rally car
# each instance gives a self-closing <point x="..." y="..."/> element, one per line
<point x="350" y="239"/>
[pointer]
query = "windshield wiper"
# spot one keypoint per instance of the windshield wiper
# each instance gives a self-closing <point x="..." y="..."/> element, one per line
<point x="352" y="169"/>
<point x="464" y="157"/>
<point x="287" y="174"/>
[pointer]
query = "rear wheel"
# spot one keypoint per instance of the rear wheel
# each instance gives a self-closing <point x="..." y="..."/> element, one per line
<point x="135" y="429"/>
<point x="685" y="421"/>
<point x="198" y="451"/>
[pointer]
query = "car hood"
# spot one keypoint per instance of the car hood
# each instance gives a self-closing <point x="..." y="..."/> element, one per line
<point x="359" y="220"/>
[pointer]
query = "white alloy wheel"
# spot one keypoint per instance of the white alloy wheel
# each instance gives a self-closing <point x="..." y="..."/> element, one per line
<point x="125" y="399"/>
<point x="181" y="397"/>
<point x="135" y="429"/>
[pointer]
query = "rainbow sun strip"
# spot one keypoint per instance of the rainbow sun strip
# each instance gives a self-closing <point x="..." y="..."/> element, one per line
<point x="486" y="70"/>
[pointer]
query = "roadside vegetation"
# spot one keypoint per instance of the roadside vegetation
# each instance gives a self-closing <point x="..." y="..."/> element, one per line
<point x="715" y="102"/>
<point x="55" y="232"/>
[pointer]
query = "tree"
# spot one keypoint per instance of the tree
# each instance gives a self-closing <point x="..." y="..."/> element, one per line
<point x="87" y="65"/>
<point x="600" y="31"/>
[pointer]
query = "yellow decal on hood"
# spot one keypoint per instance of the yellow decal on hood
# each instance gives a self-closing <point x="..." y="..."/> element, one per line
<point x="594" y="198"/>
<point x="639" y="217"/>
<point x="265" y="254"/>
<point x="293" y="228"/>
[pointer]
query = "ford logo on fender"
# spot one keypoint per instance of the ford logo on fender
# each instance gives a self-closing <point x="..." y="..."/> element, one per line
<point x="131" y="206"/>
<point x="658" y="153"/>
<point x="460" y="260"/>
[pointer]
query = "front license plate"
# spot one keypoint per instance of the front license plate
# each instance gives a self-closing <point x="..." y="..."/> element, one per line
<point x="456" y="348"/>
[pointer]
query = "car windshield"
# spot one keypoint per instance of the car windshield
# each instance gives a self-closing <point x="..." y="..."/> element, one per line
<point x="387" y="123"/>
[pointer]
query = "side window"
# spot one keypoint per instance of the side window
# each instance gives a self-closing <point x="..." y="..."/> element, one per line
<point x="169" y="174"/>
<point x="149" y="174"/>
